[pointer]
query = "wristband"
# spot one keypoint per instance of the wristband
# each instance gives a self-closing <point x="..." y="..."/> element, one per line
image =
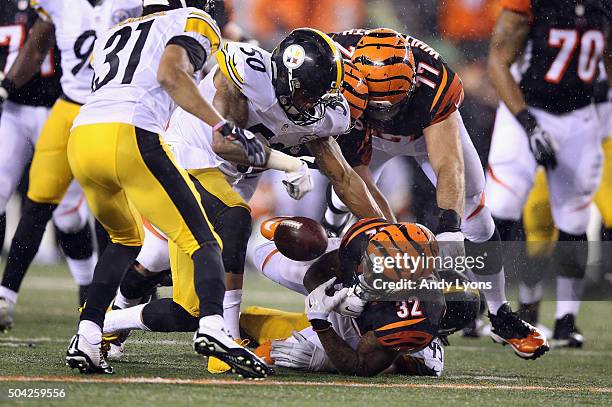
<point x="320" y="325"/>
<point x="527" y="120"/>
<point x="219" y="125"/>
<point x="450" y="221"/>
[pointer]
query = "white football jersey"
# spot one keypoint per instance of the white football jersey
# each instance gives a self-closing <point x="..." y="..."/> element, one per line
<point x="250" y="69"/>
<point x="77" y="25"/>
<point x="126" y="60"/>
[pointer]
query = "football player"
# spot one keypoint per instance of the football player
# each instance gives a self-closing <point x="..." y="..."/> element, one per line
<point x="543" y="63"/>
<point x="142" y="68"/>
<point x="74" y="24"/>
<point x="411" y="110"/>
<point x="295" y="103"/>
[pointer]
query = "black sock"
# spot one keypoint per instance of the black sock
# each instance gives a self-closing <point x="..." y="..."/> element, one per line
<point x="102" y="237"/>
<point x="134" y="285"/>
<point x="109" y="272"/>
<point x="83" y="294"/>
<point x="2" y="229"/>
<point x="209" y="278"/>
<point x="570" y="256"/>
<point x="490" y="252"/>
<point x="26" y="242"/>
<point x="164" y="315"/>
<point x="78" y="245"/>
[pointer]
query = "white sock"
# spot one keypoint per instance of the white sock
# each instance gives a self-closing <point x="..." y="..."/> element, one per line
<point x="82" y="270"/>
<point x="334" y="218"/>
<point x="212" y="322"/>
<point x="129" y="318"/>
<point x="496" y="295"/>
<point x="123" y="303"/>
<point x="231" y="312"/>
<point x="569" y="293"/>
<point x="90" y="331"/>
<point x="10" y="295"/>
<point x="530" y="294"/>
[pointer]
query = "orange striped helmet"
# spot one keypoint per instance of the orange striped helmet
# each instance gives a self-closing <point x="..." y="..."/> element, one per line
<point x="355" y="90"/>
<point x="385" y="57"/>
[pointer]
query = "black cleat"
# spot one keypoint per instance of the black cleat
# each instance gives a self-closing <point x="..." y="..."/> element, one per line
<point x="529" y="312"/>
<point x="211" y="342"/>
<point x="526" y="341"/>
<point x="566" y="333"/>
<point x="86" y="357"/>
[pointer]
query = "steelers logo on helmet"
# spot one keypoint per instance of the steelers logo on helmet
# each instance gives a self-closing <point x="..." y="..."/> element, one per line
<point x="385" y="58"/>
<point x="294" y="56"/>
<point x="307" y="73"/>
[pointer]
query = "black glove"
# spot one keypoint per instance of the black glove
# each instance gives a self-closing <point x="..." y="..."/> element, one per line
<point x="542" y="145"/>
<point x="253" y="147"/>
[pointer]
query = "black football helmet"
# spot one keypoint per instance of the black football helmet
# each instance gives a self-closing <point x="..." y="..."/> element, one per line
<point x="308" y="73"/>
<point x="207" y="5"/>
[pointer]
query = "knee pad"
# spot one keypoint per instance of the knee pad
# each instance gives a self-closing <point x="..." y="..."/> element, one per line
<point x="78" y="245"/>
<point x="478" y="227"/>
<point x="234" y="227"/>
<point x="70" y="220"/>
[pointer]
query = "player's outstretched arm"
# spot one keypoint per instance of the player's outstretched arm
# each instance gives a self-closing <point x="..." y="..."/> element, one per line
<point x="366" y="175"/>
<point x="348" y="185"/>
<point x="30" y="58"/>
<point x="446" y="158"/>
<point x="508" y="40"/>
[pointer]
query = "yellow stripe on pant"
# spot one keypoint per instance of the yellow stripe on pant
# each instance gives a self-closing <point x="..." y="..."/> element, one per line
<point x="50" y="173"/>
<point x="127" y="172"/>
<point x="183" y="289"/>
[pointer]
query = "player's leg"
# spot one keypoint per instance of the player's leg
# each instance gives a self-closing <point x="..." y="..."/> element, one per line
<point x="541" y="235"/>
<point x="72" y="228"/>
<point x="572" y="186"/>
<point x="50" y="176"/>
<point x="16" y="147"/>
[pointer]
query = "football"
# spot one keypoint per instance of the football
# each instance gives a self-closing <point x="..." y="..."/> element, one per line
<point x="300" y="238"/>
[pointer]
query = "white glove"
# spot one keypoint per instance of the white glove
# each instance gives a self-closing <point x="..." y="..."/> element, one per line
<point x="544" y="148"/>
<point x="319" y="304"/>
<point x="451" y="244"/>
<point x="299" y="183"/>
<point x="301" y="355"/>
<point x="351" y="305"/>
<point x="432" y="357"/>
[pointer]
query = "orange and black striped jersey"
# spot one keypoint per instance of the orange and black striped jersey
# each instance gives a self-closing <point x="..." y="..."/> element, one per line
<point x="439" y="92"/>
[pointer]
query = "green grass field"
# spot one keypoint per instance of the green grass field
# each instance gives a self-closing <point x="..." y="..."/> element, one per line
<point x="162" y="369"/>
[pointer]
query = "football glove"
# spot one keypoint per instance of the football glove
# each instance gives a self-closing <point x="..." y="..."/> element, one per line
<point x="253" y="147"/>
<point x="543" y="146"/>
<point x="7" y="86"/>
<point x="319" y="304"/>
<point x="449" y="236"/>
<point x="351" y="305"/>
<point x="299" y="183"/>
<point x="301" y="355"/>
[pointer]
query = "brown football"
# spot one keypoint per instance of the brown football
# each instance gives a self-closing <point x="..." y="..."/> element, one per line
<point x="300" y="238"/>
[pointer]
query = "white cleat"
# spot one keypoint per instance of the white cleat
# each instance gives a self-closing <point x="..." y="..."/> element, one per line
<point x="7" y="309"/>
<point x="86" y="357"/>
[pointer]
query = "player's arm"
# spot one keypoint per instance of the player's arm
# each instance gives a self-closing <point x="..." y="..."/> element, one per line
<point x="348" y="185"/>
<point x="446" y="159"/>
<point x="30" y="57"/>
<point x="366" y="175"/>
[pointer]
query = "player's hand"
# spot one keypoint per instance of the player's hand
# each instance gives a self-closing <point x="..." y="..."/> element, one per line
<point x="351" y="305"/>
<point x="302" y="355"/>
<point x="299" y="183"/>
<point x="543" y="146"/>
<point x="6" y="86"/>
<point x="319" y="304"/>
<point x="253" y="147"/>
<point x="449" y="236"/>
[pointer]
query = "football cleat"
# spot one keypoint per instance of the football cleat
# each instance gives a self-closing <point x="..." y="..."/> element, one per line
<point x="216" y="343"/>
<point x="216" y="366"/>
<point x="566" y="334"/>
<point x="508" y="329"/>
<point x="86" y="357"/>
<point x="113" y="344"/>
<point x="268" y="227"/>
<point x="7" y="308"/>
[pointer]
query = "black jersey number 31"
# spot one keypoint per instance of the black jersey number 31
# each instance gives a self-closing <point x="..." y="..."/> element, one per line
<point x="112" y="58"/>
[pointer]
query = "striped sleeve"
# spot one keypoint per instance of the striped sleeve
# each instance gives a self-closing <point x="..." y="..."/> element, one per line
<point x="448" y="97"/>
<point x="229" y="64"/>
<point x="203" y="29"/>
<point x="39" y="7"/>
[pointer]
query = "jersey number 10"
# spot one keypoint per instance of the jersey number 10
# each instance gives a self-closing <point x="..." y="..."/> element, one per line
<point x="591" y="47"/>
<point x="112" y="57"/>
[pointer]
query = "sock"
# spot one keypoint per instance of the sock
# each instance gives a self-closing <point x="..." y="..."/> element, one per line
<point x="109" y="272"/>
<point x="90" y="331"/>
<point x="211" y="322"/>
<point x="123" y="303"/>
<point x="231" y="312"/>
<point x="83" y="289"/>
<point x="82" y="270"/>
<point x="496" y="295"/>
<point x="336" y="213"/>
<point x="129" y="318"/>
<point x="26" y="242"/>
<point x="2" y="229"/>
<point x="569" y="293"/>
<point x="165" y="315"/>
<point x="530" y="294"/>
<point x="134" y="286"/>
<point x="8" y="294"/>
<point x="209" y="279"/>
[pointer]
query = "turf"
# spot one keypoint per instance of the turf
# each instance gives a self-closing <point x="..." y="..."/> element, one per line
<point x="161" y="368"/>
